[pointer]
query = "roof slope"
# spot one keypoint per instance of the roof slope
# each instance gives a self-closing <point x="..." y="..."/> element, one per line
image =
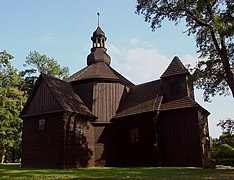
<point x="184" y="102"/>
<point x="176" y="67"/>
<point x="98" y="70"/>
<point x="64" y="94"/>
<point x="148" y="97"/>
<point x="141" y="98"/>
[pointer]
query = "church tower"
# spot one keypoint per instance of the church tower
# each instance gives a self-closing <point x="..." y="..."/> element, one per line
<point x="101" y="88"/>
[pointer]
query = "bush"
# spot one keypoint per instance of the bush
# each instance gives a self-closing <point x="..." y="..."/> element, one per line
<point x="225" y="155"/>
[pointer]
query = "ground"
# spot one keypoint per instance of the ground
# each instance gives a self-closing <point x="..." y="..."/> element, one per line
<point x="14" y="171"/>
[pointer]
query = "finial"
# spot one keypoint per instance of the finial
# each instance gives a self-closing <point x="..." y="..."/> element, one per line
<point x="98" y="13"/>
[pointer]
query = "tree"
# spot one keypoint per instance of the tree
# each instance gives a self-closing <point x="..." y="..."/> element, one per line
<point x="227" y="125"/>
<point x="12" y="100"/>
<point x="212" y="23"/>
<point x="37" y="63"/>
<point x="222" y="148"/>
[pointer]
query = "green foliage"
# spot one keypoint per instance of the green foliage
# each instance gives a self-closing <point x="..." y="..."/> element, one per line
<point x="35" y="64"/>
<point x="226" y="138"/>
<point x="225" y="155"/>
<point x="12" y="100"/>
<point x="212" y="23"/>
<point x="227" y="126"/>
<point x="222" y="149"/>
<point x="226" y="151"/>
<point x="14" y="89"/>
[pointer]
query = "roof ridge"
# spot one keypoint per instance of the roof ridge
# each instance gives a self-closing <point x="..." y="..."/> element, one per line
<point x="142" y="84"/>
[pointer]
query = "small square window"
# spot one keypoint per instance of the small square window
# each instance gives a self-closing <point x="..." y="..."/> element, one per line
<point x="41" y="125"/>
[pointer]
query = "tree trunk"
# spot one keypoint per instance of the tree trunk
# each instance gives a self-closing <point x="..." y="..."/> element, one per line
<point x="222" y="51"/>
<point x="4" y="156"/>
<point x="229" y="74"/>
<point x="13" y="155"/>
<point x="227" y="66"/>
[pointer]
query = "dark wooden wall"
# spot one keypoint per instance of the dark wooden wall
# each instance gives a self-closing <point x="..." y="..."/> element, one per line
<point x="134" y="154"/>
<point x="43" y="101"/>
<point x="85" y="91"/>
<point x="79" y="142"/>
<point x="43" y="148"/>
<point x="102" y="98"/>
<point x="99" y="140"/>
<point x="180" y="138"/>
<point x="178" y="135"/>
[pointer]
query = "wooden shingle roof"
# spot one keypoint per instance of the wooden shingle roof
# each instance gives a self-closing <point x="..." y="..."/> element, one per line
<point x="99" y="70"/>
<point x="181" y="103"/>
<point x="176" y="67"/>
<point x="184" y="102"/>
<point x="64" y="95"/>
<point x="141" y="98"/>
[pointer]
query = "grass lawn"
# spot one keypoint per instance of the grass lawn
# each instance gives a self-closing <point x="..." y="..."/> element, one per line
<point x="13" y="171"/>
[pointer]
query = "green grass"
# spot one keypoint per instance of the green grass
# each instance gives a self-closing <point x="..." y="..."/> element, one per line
<point x="13" y="171"/>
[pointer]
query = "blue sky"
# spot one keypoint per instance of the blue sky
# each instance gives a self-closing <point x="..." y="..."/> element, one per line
<point x="62" y="29"/>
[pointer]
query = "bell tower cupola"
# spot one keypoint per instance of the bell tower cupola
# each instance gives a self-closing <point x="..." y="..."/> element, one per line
<point x="98" y="51"/>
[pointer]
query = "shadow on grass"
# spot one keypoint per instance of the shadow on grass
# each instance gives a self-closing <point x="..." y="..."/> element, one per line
<point x="13" y="171"/>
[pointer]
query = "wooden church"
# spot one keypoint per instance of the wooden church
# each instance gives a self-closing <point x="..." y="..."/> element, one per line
<point x="97" y="117"/>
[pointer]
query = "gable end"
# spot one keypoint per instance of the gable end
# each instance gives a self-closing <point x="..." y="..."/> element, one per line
<point x="43" y="101"/>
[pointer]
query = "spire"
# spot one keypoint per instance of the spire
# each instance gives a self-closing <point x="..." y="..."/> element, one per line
<point x="98" y="51"/>
<point x="98" y="13"/>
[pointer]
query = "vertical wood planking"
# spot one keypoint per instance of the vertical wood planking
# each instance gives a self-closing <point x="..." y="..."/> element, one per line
<point x="43" y="101"/>
<point x="106" y="99"/>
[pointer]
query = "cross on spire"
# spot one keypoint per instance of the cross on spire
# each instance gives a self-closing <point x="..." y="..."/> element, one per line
<point x="98" y="13"/>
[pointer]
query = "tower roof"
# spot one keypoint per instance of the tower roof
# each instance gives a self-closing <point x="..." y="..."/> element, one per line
<point x="99" y="71"/>
<point x="98" y="62"/>
<point x="98" y="32"/>
<point x="98" y="55"/>
<point x="98" y="51"/>
<point x="176" y="67"/>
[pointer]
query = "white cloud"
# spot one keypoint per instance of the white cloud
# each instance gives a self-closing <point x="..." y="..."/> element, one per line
<point x="112" y="49"/>
<point x="144" y="63"/>
<point x="189" y="59"/>
<point x="135" y="41"/>
<point x="46" y="38"/>
<point x="140" y="64"/>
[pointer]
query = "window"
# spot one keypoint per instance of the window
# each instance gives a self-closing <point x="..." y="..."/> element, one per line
<point x="80" y="131"/>
<point x="134" y="134"/>
<point x="175" y="89"/>
<point x="71" y="123"/>
<point x="41" y="125"/>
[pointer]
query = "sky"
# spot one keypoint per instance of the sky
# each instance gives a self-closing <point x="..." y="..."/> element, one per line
<point x="61" y="29"/>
